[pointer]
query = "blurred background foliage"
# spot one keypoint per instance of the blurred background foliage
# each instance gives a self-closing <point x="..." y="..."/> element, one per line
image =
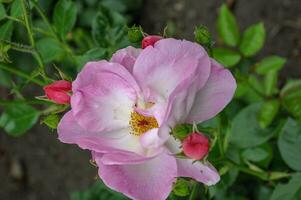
<point x="257" y="137"/>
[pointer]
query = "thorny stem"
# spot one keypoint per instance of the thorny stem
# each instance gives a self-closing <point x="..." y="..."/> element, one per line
<point x="21" y="74"/>
<point x="31" y="39"/>
<point x="19" y="47"/>
<point x="27" y="101"/>
<point x="53" y="33"/>
<point x="14" y="19"/>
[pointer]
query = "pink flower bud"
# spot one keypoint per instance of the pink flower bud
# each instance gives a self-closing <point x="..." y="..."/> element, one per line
<point x="58" y="91"/>
<point x="196" y="146"/>
<point x="150" y="40"/>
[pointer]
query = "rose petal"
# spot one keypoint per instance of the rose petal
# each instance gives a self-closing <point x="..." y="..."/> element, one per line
<point x="103" y="96"/>
<point x="126" y="57"/>
<point x="104" y="142"/>
<point x="202" y="172"/>
<point x="214" y="96"/>
<point x="150" y="180"/>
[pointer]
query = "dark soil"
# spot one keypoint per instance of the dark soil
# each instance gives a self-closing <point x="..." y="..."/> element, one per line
<point x="38" y="166"/>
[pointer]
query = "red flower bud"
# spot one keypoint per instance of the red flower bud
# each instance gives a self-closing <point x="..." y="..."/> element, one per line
<point x="196" y="146"/>
<point x="150" y="40"/>
<point x="58" y="91"/>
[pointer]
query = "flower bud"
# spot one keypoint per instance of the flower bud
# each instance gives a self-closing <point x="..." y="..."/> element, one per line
<point x="196" y="146"/>
<point x="203" y="36"/>
<point x="150" y="40"/>
<point x="58" y="91"/>
<point x="135" y="34"/>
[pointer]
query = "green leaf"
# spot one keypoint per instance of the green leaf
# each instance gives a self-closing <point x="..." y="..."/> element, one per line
<point x="181" y="188"/>
<point x="268" y="112"/>
<point x="18" y="118"/>
<point x="97" y="192"/>
<point x="227" y="26"/>
<point x="270" y="83"/>
<point x="16" y="8"/>
<point x="253" y="89"/>
<point x="278" y="175"/>
<point x="252" y="40"/>
<point x="135" y="34"/>
<point x="227" y="180"/>
<point x="226" y="57"/>
<point x="289" y="191"/>
<point x="51" y="121"/>
<point x="64" y="17"/>
<point x="271" y="63"/>
<point x="255" y="154"/>
<point x="289" y="144"/>
<point x="2" y="11"/>
<point x="49" y="49"/>
<point x="109" y="30"/>
<point x="5" y="79"/>
<point x="6" y="30"/>
<point x="246" y="131"/>
<point x="263" y="193"/>
<point x="181" y="131"/>
<point x="91" y="55"/>
<point x="291" y="98"/>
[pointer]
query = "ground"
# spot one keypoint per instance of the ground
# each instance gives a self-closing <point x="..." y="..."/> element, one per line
<point x="38" y="166"/>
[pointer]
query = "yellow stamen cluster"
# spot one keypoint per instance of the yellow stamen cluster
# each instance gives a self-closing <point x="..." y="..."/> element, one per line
<point x="140" y="124"/>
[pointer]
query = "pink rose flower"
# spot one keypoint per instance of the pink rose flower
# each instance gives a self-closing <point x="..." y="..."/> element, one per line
<point x="58" y="91"/>
<point x="150" y="40"/>
<point x="196" y="146"/>
<point x="123" y="112"/>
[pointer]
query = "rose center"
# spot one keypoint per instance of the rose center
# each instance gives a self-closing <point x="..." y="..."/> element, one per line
<point x="140" y="124"/>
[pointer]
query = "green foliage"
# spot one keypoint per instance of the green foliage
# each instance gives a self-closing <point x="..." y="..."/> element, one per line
<point x="291" y="98"/>
<point x="268" y="112"/>
<point x="109" y="30"/>
<point x="6" y="30"/>
<point x="246" y="131"/>
<point x="289" y="144"/>
<point x="226" y="57"/>
<point x="97" y="192"/>
<point x="49" y="49"/>
<point x="252" y="40"/>
<point x="227" y="27"/>
<point x="255" y="154"/>
<point x="64" y="17"/>
<point x="271" y="63"/>
<point x="270" y="83"/>
<point x="91" y="55"/>
<point x="181" y="131"/>
<point x="135" y="34"/>
<point x="203" y="36"/>
<point x="289" y="191"/>
<point x="16" y="8"/>
<point x="18" y="118"/>
<point x="181" y="188"/>
<point x="51" y="121"/>
<point x="2" y="11"/>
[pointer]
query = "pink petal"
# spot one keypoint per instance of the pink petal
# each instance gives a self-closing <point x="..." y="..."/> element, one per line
<point x="170" y="74"/>
<point x="214" y="96"/>
<point x="202" y="172"/>
<point x="103" y="96"/>
<point x="126" y="57"/>
<point x="150" y="180"/>
<point x="163" y="67"/>
<point x="120" y="141"/>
